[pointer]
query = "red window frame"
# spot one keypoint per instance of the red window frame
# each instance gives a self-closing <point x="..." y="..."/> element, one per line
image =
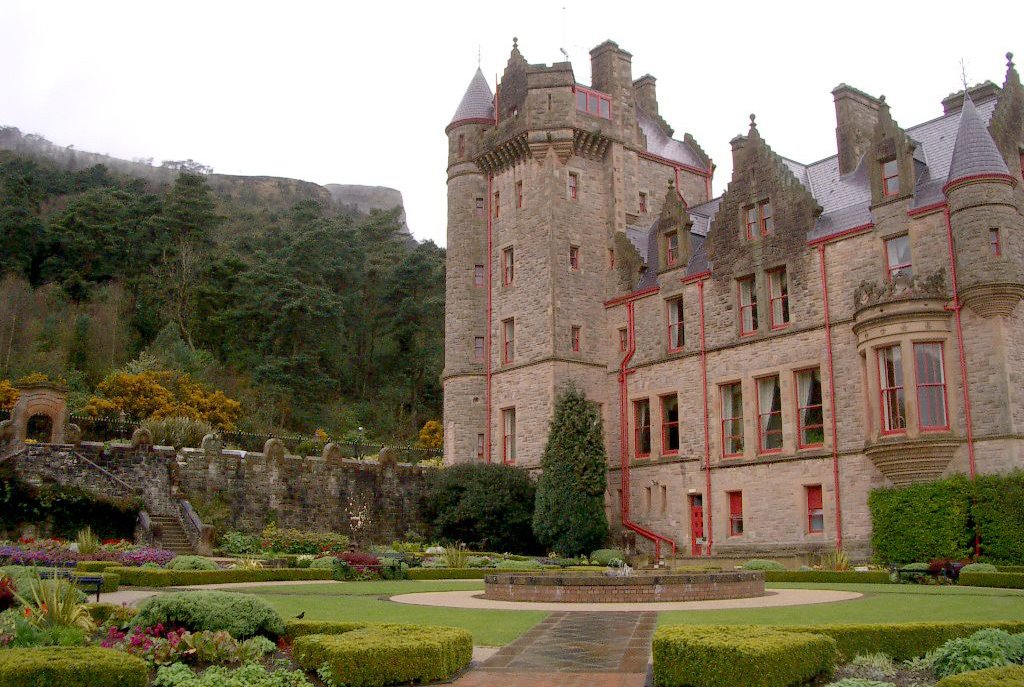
<point x="574" y="257"/>
<point x="574" y="337"/>
<point x="497" y="204"/>
<point x="746" y="307"/>
<point x="735" y="513"/>
<point x="479" y="275"/>
<point x="890" y="393"/>
<point x="478" y="347"/>
<point x="737" y="439"/>
<point x="994" y="242"/>
<point x="593" y="102"/>
<point x="668" y="425"/>
<point x="623" y="340"/>
<point x="893" y="268"/>
<point x="508" y="436"/>
<point x="778" y="299"/>
<point x="676" y="328"/>
<point x="508" y="266"/>
<point x="763" y="434"/>
<point x="815" y="511"/>
<point x="643" y="203"/>
<point x="519" y="194"/>
<point x="766" y="217"/>
<point x="923" y="403"/>
<point x="642" y="428"/>
<point x="890" y="178"/>
<point x="671" y="248"/>
<point x="750" y="221"/>
<point x="574" y="185"/>
<point x="802" y="407"/>
<point x="508" y="338"/>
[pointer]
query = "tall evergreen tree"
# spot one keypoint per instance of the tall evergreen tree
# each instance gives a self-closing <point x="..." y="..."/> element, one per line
<point x="569" y="513"/>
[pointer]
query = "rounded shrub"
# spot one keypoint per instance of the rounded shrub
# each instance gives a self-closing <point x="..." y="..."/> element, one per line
<point x="606" y="556"/>
<point x="761" y="564"/>
<point x="192" y="563"/>
<point x="71" y="667"/>
<point x="241" y="615"/>
<point x="324" y="563"/>
<point x="979" y="568"/>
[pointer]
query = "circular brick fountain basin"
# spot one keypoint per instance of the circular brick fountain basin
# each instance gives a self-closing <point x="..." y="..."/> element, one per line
<point x="642" y="586"/>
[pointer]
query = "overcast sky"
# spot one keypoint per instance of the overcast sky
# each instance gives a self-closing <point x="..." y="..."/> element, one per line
<point x="352" y="93"/>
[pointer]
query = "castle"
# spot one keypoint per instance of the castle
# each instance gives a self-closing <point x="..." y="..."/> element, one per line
<point x="762" y="359"/>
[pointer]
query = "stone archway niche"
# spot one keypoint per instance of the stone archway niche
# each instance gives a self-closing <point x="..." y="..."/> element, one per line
<point x="47" y="400"/>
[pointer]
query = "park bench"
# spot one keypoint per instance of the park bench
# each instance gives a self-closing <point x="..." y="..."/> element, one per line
<point x="950" y="571"/>
<point x="91" y="584"/>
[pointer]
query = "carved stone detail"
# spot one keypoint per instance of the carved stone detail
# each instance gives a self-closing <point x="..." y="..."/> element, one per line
<point x="900" y="288"/>
<point x="992" y="300"/>
<point x="911" y="461"/>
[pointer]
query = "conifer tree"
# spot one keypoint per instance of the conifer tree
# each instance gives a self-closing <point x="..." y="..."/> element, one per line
<point x="569" y="512"/>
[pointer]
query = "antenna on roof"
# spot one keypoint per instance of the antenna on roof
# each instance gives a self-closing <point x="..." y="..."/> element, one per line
<point x="479" y="58"/>
<point x="963" y="74"/>
<point x="563" y="50"/>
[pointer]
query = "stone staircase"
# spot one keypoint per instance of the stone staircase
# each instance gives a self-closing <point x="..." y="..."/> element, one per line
<point x="172" y="536"/>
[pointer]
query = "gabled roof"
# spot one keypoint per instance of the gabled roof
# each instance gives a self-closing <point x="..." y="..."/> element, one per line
<point x="974" y="153"/>
<point x="478" y="102"/>
<point x="661" y="144"/>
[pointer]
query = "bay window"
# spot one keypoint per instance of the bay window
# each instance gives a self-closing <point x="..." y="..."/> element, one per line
<point x="890" y="383"/>
<point x="931" y="387"/>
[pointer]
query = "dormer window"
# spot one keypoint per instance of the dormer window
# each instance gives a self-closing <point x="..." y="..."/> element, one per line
<point x="593" y="102"/>
<point x="890" y="178"/>
<point x="759" y="219"/>
<point x="671" y="249"/>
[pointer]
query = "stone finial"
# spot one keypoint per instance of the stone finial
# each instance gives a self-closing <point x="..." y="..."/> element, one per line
<point x="212" y="444"/>
<point x="1009" y="60"/>
<point x="72" y="434"/>
<point x="142" y="438"/>
<point x="387" y="457"/>
<point x="332" y="452"/>
<point x="515" y="42"/>
<point x="273" y="449"/>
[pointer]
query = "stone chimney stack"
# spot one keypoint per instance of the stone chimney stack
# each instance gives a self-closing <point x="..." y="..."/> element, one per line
<point x="856" y="116"/>
<point x="979" y="94"/>
<point x="611" y="69"/>
<point x="646" y="96"/>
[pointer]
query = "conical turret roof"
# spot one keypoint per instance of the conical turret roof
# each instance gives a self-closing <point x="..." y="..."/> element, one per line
<point x="974" y="153"/>
<point x="478" y="102"/>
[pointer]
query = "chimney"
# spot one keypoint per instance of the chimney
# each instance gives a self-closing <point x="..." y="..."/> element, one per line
<point x="738" y="144"/>
<point x="856" y="116"/>
<point x="646" y="97"/>
<point x="981" y="92"/>
<point x="611" y="70"/>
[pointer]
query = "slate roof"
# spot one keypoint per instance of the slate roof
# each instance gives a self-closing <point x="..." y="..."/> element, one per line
<point x="478" y="101"/>
<point x="661" y="144"/>
<point x="974" y="152"/>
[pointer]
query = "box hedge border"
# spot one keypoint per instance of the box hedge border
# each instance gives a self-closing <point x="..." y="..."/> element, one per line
<point x="72" y="667"/>
<point x="96" y="566"/>
<point x="1002" y="580"/>
<point x="111" y="581"/>
<point x="152" y="577"/>
<point x="377" y="655"/>
<point x="1003" y="676"/>
<point x="450" y="573"/>
<point x="828" y="576"/>
<point x="301" y="628"/>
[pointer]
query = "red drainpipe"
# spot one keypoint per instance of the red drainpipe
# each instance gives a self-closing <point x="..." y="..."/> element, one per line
<point x="832" y="398"/>
<point x="707" y="417"/>
<point x="624" y="372"/>
<point x="956" y="308"/>
<point x="487" y="335"/>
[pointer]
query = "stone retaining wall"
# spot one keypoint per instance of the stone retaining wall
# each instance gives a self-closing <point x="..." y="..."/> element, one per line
<point x="641" y="587"/>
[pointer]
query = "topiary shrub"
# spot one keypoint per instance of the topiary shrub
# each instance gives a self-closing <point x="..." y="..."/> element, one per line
<point x="378" y="655"/>
<point x="241" y="615"/>
<point x="569" y="514"/>
<point x="1008" y="676"/>
<point x="979" y="568"/>
<point x="488" y="507"/>
<point x="192" y="563"/>
<point x="761" y="564"/>
<point x="71" y="667"/>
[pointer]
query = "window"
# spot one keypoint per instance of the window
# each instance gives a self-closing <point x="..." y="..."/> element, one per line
<point x="593" y="102"/>
<point x="508" y="421"/>
<point x="480" y="447"/>
<point x="497" y="204"/>
<point x="675" y="325"/>
<point x="732" y="419"/>
<point x="897" y="255"/>
<point x="574" y="185"/>
<point x="759" y="219"/>
<point x="478" y="348"/>
<point x="479" y="205"/>
<point x="815" y="513"/>
<point x="671" y="248"/>
<point x="995" y="245"/>
<point x="623" y="340"/>
<point x="735" y="513"/>
<point x="611" y="258"/>
<point x="519" y="194"/>
<point x="508" y="265"/>
<point x="670" y="424"/>
<point x="574" y="338"/>
<point x="642" y="422"/>
<point x="810" y="421"/>
<point x="478" y="275"/>
<point x="748" y="306"/>
<point x="643" y="203"/>
<point x="462" y="145"/>
<point x="508" y="328"/>
<point x="769" y="415"/>
<point x="778" y="298"/>
<point x="931" y="386"/>
<point x="890" y="178"/>
<point x="574" y="257"/>
<point x="890" y="383"/>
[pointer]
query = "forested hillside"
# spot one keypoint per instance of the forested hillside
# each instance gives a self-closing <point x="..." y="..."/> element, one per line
<point x="311" y="316"/>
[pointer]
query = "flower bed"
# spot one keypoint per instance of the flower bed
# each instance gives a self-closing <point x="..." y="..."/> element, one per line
<point x="57" y="553"/>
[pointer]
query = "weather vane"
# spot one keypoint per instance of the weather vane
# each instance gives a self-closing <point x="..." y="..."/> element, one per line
<point x="963" y="73"/>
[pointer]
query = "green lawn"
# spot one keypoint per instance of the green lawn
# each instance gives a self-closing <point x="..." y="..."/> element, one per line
<point x="368" y="601"/>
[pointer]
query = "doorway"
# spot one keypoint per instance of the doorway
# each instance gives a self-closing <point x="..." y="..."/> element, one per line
<point x="696" y="525"/>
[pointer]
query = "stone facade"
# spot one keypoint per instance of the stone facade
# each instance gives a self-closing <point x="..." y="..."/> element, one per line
<point x="906" y="243"/>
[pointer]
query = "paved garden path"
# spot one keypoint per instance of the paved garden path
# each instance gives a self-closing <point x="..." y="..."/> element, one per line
<point x="610" y="649"/>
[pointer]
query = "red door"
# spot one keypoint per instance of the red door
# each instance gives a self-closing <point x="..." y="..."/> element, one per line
<point x="696" y="525"/>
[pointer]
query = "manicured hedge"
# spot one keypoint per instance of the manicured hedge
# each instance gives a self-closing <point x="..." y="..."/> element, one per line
<point x="95" y="566"/>
<point x="998" y="512"/>
<point x="301" y="628"/>
<point x="241" y="615"/>
<point x="1010" y="568"/>
<point x="378" y="655"/>
<point x="1003" y="580"/>
<point x="450" y="573"/>
<point x="822" y="576"/>
<point x="111" y="581"/>
<point x="152" y="577"/>
<point x="738" y="656"/>
<point x="71" y="667"/>
<point x="922" y="522"/>
<point x="1004" y="676"/>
